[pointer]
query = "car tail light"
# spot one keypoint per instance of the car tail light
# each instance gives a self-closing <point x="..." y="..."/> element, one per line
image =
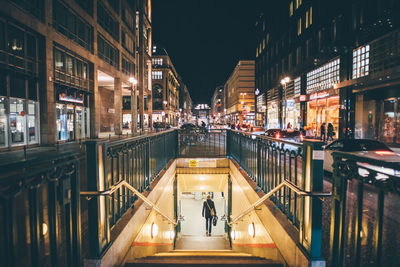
<point x="384" y="152"/>
<point x="277" y="136"/>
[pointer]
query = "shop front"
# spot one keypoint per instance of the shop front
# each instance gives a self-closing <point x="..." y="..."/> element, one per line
<point x="19" y="112"/>
<point x="377" y="114"/>
<point x="72" y="114"/>
<point x="273" y="115"/>
<point x="322" y="107"/>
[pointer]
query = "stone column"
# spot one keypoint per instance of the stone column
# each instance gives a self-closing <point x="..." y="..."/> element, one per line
<point x="47" y="99"/>
<point x="117" y="106"/>
<point x="133" y="109"/>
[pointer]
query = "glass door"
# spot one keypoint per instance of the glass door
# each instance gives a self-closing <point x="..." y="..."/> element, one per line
<point x="3" y="122"/>
<point x="70" y="122"/>
<point x="17" y="121"/>
<point x="61" y="121"/>
<point x="388" y="121"/>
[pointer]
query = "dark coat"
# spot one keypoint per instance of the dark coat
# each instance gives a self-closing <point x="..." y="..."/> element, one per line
<point x="206" y="211"/>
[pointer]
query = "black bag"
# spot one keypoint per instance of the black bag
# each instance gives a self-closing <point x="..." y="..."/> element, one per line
<point x="214" y="220"/>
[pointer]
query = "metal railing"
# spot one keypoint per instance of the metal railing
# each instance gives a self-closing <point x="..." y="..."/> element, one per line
<point x="364" y="224"/>
<point x="137" y="161"/>
<point x="287" y="172"/>
<point x="260" y="201"/>
<point x="269" y="162"/>
<point x="121" y="184"/>
<point x="40" y="211"/>
<point x="200" y="143"/>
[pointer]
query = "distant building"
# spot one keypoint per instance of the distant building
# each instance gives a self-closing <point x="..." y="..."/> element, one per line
<point x="239" y="90"/>
<point x="201" y="112"/>
<point x="342" y="64"/>
<point x="185" y="104"/>
<point x="165" y="87"/>
<point x="217" y="104"/>
<point x="66" y="65"/>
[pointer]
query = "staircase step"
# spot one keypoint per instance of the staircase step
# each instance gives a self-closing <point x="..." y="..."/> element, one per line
<point x="195" y="258"/>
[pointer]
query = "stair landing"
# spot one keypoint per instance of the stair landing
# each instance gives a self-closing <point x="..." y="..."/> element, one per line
<point x="202" y="243"/>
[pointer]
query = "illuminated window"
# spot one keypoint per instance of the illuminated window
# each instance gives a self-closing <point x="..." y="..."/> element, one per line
<point x="323" y="77"/>
<point x="361" y="62"/>
<point x="310" y="16"/>
<point x="307" y="19"/>
<point x="291" y="8"/>
<point x="297" y="87"/>
<point x="299" y="26"/>
<point x="263" y="44"/>
<point x="298" y="3"/>
<point x="267" y="38"/>
<point x="156" y="75"/>
<point x="157" y="61"/>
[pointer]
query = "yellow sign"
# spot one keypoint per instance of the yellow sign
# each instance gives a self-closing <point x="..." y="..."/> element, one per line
<point x="193" y="163"/>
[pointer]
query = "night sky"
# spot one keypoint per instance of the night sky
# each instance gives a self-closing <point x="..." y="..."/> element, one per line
<point x="205" y="39"/>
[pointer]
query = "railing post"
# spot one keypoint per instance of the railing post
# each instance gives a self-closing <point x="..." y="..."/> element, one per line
<point x="311" y="219"/>
<point x="99" y="231"/>
<point x="338" y="216"/>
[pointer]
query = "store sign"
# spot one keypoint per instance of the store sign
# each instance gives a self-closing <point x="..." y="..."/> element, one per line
<point x="68" y="98"/>
<point x="302" y="98"/>
<point x="319" y="95"/>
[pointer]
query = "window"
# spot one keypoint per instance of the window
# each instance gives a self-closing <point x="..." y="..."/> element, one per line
<point x="128" y="18"/>
<point x="107" y="52"/>
<point x="86" y="5"/>
<point x="307" y="19"/>
<point x="157" y="61"/>
<point x="291" y="9"/>
<point x="323" y="77"/>
<point x="70" y="70"/>
<point x="310" y="20"/>
<point x="106" y="20"/>
<point x="128" y="67"/>
<point x="35" y="7"/>
<point x="299" y="26"/>
<point x="127" y="42"/>
<point x="72" y="26"/>
<point x="157" y="75"/>
<point x="16" y="41"/>
<point x="298" y="55"/>
<point x="361" y="62"/>
<point x="114" y="4"/>
<point x="298" y="3"/>
<point x="297" y="87"/>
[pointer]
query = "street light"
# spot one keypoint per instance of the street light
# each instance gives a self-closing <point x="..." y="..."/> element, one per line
<point x="133" y="82"/>
<point x="284" y="82"/>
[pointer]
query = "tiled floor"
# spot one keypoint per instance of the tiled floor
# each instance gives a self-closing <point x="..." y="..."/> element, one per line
<point x="194" y="224"/>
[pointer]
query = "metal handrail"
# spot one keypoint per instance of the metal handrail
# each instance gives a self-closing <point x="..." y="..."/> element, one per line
<point x="270" y="193"/>
<point x="131" y="188"/>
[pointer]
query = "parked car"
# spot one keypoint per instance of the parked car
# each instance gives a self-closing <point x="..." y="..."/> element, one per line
<point x="273" y="132"/>
<point x="365" y="148"/>
<point x="291" y="135"/>
<point x="257" y="130"/>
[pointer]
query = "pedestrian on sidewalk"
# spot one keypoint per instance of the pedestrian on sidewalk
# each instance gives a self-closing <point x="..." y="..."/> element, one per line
<point x="208" y="212"/>
<point x="323" y="132"/>
<point x="331" y="133"/>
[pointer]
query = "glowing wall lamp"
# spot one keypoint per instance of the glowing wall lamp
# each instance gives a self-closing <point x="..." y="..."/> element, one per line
<point x="251" y="230"/>
<point x="154" y="230"/>
<point x="171" y="234"/>
<point x="233" y="234"/>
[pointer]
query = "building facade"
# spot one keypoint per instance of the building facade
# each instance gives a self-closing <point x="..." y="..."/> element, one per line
<point x="185" y="103"/>
<point x="166" y="85"/>
<point x="65" y="67"/>
<point x="217" y="105"/>
<point x="239" y="90"/>
<point x="329" y="63"/>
